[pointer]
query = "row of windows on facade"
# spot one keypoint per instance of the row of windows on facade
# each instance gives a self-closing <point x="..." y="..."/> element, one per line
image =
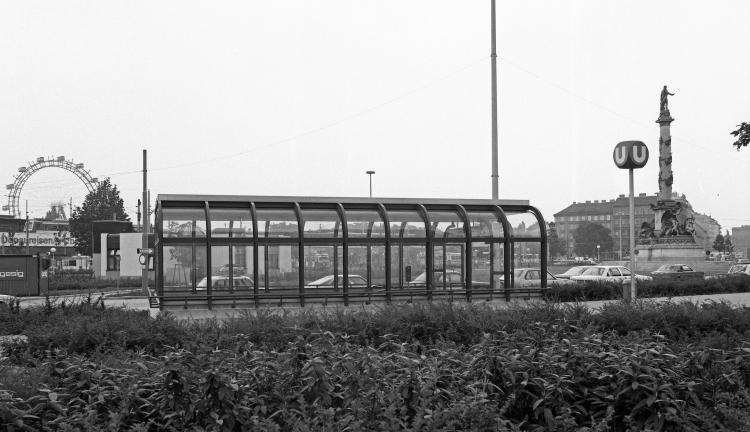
<point x="596" y="217"/>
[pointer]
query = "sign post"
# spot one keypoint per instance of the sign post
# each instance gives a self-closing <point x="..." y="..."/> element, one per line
<point x="631" y="155"/>
<point x="146" y="222"/>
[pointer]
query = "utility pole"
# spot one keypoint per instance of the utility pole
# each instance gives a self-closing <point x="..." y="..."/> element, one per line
<point x="144" y="244"/>
<point x="27" y="227"/>
<point x="139" y="214"/>
<point x="620" y="235"/>
<point x="495" y="187"/>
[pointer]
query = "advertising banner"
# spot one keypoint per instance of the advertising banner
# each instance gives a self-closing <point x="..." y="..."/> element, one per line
<point x="44" y="239"/>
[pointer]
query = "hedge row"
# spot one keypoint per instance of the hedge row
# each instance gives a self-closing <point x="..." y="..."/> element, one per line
<point x="427" y="366"/>
<point x="594" y="290"/>
<point x="84" y="282"/>
<point x="87" y="327"/>
<point x="543" y="378"/>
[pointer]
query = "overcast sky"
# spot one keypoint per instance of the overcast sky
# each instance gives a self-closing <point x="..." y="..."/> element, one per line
<point x="303" y="97"/>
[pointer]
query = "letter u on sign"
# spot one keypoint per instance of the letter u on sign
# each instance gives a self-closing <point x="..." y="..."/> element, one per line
<point x="630" y="155"/>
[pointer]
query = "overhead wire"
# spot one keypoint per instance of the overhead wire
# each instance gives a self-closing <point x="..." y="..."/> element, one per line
<point x="651" y="128"/>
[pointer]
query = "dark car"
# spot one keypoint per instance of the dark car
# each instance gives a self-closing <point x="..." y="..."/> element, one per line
<point x="677" y="271"/>
<point x="452" y="280"/>
<point x="573" y="271"/>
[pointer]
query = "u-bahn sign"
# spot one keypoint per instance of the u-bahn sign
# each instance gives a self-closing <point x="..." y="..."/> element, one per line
<point x="630" y="155"/>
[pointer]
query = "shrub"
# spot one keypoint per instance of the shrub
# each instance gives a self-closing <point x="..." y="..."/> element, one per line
<point x="78" y="282"/>
<point x="536" y="379"/>
<point x="658" y="287"/>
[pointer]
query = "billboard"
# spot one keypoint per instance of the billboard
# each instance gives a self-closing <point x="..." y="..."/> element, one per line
<point x="43" y="239"/>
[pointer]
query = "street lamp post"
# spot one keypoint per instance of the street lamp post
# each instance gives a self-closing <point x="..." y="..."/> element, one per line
<point x="53" y="250"/>
<point x="620" y="234"/>
<point x="370" y="173"/>
<point x="598" y="255"/>
<point x="117" y="257"/>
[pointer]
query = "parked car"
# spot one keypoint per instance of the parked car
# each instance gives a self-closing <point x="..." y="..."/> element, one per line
<point x="739" y="269"/>
<point x="222" y="283"/>
<point x="452" y="280"/>
<point x="573" y="271"/>
<point x="677" y="271"/>
<point x="7" y="300"/>
<point x="237" y="270"/>
<point x="735" y="270"/>
<point x="532" y="277"/>
<point x="327" y="282"/>
<point x="608" y="273"/>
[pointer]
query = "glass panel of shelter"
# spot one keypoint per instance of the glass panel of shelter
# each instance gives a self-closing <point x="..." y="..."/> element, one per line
<point x="408" y="250"/>
<point x="321" y="224"/>
<point x="277" y="223"/>
<point x="324" y="268"/>
<point x="487" y="249"/>
<point x="323" y="260"/>
<point x="232" y="267"/>
<point x="364" y="224"/>
<point x="449" y="254"/>
<point x="366" y="258"/>
<point x="278" y="262"/>
<point x="184" y="222"/>
<point x="231" y="223"/>
<point x="526" y="254"/>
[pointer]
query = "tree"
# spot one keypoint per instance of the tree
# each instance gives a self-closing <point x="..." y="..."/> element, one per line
<point x="100" y="204"/>
<point x="743" y="135"/>
<point x="719" y="243"/>
<point x="555" y="245"/>
<point x="728" y="246"/>
<point x="590" y="234"/>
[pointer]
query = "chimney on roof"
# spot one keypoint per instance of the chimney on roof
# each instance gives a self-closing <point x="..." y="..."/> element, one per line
<point x="622" y="196"/>
<point x="641" y="194"/>
<point x="596" y="201"/>
<point x="574" y="202"/>
<point x="612" y="200"/>
<point x="588" y="202"/>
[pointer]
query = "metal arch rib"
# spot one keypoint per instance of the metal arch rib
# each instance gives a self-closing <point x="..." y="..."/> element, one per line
<point x="20" y="180"/>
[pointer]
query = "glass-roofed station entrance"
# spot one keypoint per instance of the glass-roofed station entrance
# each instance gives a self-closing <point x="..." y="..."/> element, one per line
<point x="215" y="251"/>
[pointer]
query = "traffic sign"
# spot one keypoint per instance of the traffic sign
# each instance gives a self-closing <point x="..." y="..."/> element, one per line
<point x="148" y="251"/>
<point x="630" y="155"/>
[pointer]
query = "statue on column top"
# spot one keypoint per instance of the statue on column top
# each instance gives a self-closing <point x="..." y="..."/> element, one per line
<point x="664" y="102"/>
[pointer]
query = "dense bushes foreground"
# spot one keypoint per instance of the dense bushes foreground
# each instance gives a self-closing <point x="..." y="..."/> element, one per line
<point x="658" y="287"/>
<point x="422" y="367"/>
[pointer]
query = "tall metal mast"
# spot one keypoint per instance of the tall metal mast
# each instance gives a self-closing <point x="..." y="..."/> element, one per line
<point x="495" y="187"/>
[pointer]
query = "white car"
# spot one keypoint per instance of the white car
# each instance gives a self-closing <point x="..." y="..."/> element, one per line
<point x="7" y="300"/>
<point x="532" y="278"/>
<point x="740" y="269"/>
<point x="610" y="274"/>
<point x="451" y="280"/>
<point x="222" y="283"/>
<point x="326" y="282"/>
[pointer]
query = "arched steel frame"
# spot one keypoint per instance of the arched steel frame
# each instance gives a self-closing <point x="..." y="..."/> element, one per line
<point x="383" y="207"/>
<point x="14" y="195"/>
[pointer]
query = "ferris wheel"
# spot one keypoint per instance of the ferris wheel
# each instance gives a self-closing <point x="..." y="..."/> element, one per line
<point x="14" y="195"/>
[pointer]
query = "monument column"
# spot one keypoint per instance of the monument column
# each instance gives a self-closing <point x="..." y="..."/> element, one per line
<point x="672" y="238"/>
<point x="666" y="178"/>
<point x="664" y="201"/>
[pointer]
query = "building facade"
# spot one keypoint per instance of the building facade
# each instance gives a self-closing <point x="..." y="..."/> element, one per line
<point x="741" y="240"/>
<point x="614" y="214"/>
